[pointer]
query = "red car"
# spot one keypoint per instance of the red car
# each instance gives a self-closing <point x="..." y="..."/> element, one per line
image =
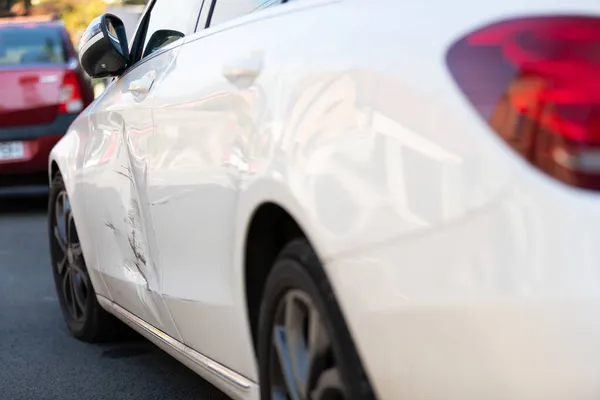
<point x="42" y="90"/>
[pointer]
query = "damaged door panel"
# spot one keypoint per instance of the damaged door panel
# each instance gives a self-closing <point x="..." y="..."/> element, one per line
<point x="116" y="175"/>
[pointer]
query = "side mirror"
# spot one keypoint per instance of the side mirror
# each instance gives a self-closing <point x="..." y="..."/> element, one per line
<point x="103" y="48"/>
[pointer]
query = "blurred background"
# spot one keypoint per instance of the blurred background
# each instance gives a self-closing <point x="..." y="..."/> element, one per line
<point x="41" y="93"/>
<point x="76" y="15"/>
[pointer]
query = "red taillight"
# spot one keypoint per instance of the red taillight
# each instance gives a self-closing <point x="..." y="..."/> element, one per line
<point x="536" y="82"/>
<point x="71" y="99"/>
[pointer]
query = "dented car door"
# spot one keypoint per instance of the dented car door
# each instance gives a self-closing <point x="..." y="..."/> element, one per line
<point x="121" y="126"/>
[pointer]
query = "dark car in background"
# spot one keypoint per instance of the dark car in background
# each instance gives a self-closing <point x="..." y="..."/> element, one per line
<point x="42" y="90"/>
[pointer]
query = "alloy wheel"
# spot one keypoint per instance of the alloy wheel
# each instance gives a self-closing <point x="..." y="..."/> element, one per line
<point x="302" y="365"/>
<point x="67" y="259"/>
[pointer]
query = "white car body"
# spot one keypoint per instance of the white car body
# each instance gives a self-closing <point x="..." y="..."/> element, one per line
<point x="462" y="271"/>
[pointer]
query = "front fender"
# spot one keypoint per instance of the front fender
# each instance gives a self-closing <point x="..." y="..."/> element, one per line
<point x="68" y="158"/>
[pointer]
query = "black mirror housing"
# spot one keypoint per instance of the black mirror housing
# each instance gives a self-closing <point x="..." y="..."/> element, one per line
<point x="103" y="50"/>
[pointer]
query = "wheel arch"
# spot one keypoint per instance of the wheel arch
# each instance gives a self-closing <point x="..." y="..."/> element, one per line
<point x="53" y="169"/>
<point x="269" y="216"/>
<point x="63" y="160"/>
<point x="271" y="227"/>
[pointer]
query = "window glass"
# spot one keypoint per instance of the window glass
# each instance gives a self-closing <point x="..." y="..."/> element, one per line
<point x="20" y="45"/>
<point x="226" y="10"/>
<point x="204" y="12"/>
<point x="161" y="39"/>
<point x="174" y="15"/>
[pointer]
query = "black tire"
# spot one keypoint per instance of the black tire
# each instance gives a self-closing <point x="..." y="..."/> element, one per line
<point x="95" y="324"/>
<point x="298" y="270"/>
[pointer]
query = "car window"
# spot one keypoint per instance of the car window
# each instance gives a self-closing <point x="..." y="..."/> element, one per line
<point x="24" y="45"/>
<point x="160" y="39"/>
<point x="204" y="14"/>
<point x="169" y="21"/>
<point x="225" y="10"/>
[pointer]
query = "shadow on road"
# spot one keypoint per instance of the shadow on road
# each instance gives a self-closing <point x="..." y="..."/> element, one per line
<point x="40" y="359"/>
<point x="23" y="204"/>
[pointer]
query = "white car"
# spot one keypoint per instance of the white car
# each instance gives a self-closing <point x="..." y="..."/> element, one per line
<point x="342" y="199"/>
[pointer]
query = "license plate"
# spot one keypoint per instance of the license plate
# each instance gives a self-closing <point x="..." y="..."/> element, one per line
<point x="12" y="151"/>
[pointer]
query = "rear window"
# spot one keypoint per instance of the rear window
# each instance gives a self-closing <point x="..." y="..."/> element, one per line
<point x="28" y="45"/>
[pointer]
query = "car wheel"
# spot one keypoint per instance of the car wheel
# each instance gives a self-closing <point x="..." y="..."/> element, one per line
<point x="305" y="350"/>
<point x="85" y="318"/>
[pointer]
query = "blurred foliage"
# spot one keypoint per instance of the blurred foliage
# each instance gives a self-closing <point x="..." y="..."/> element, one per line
<point x="76" y="14"/>
<point x="11" y="8"/>
<point x="6" y="5"/>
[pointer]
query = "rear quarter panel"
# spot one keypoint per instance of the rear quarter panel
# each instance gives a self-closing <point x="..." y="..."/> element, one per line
<point x="371" y="137"/>
<point x="369" y="140"/>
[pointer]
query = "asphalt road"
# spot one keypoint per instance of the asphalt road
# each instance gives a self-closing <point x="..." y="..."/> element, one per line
<point x="39" y="360"/>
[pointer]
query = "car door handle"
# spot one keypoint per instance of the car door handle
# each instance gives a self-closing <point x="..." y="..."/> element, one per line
<point x="242" y="73"/>
<point x="142" y="86"/>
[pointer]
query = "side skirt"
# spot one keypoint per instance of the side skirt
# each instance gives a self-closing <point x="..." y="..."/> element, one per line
<point x="221" y="376"/>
